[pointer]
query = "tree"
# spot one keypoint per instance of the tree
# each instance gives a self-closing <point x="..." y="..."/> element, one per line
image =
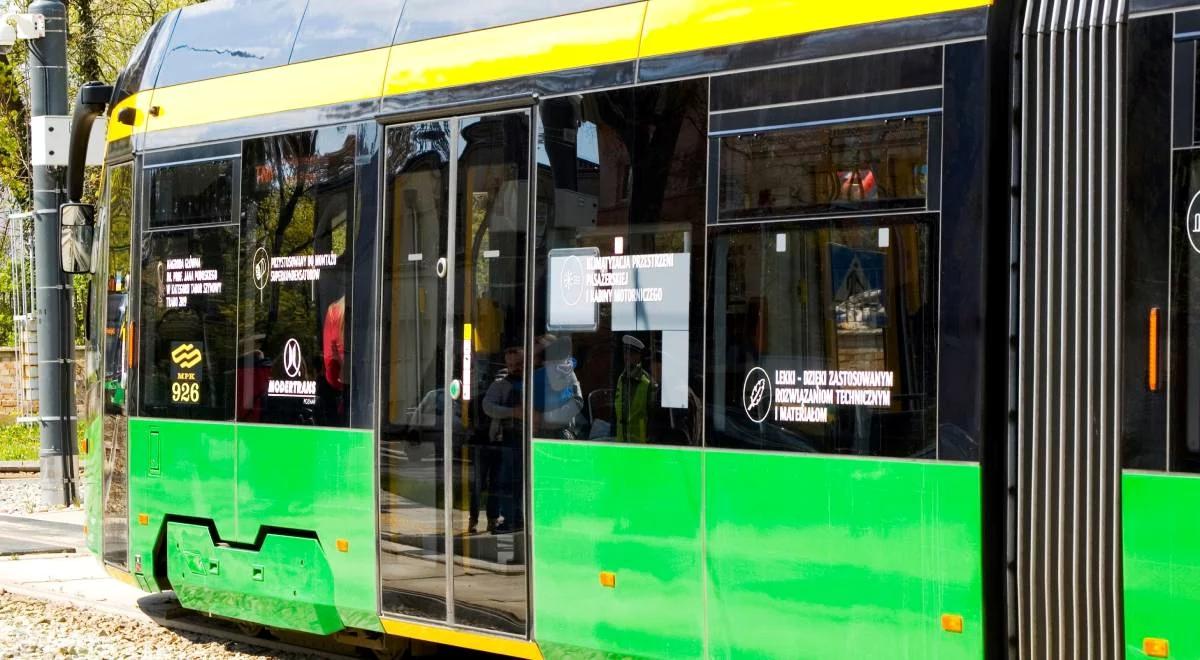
<point x="102" y="35"/>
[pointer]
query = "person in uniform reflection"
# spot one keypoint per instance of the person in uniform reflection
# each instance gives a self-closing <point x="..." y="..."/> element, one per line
<point x="557" y="395"/>
<point x="503" y="478"/>
<point x="635" y="392"/>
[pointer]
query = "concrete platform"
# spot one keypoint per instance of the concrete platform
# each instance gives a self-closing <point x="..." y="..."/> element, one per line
<point x="21" y="535"/>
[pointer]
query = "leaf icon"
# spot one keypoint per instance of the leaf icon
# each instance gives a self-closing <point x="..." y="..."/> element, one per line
<point x="756" y="394"/>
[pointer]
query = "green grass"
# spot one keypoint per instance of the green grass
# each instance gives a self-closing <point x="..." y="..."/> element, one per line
<point x="19" y="442"/>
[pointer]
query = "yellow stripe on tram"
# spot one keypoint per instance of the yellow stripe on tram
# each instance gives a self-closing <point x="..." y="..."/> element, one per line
<point x="339" y="79"/>
<point x="603" y="36"/>
<point x="591" y="38"/>
<point x="678" y="26"/>
<point x="140" y="103"/>
<point x="121" y="576"/>
<point x="513" y="648"/>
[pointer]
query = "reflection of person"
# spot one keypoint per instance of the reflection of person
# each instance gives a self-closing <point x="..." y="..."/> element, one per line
<point x="557" y="396"/>
<point x="502" y="404"/>
<point x="635" y="390"/>
<point x="333" y="343"/>
<point x="254" y="372"/>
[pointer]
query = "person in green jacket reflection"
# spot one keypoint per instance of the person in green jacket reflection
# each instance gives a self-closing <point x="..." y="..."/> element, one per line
<point x="635" y="391"/>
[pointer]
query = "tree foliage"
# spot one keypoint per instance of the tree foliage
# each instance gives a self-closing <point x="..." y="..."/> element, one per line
<point x="101" y="36"/>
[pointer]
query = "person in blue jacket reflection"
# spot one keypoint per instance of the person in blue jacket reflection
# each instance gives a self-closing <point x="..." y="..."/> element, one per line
<point x="557" y="395"/>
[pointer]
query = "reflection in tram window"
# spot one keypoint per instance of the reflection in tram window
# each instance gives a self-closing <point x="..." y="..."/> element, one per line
<point x="411" y="453"/>
<point x="294" y="310"/>
<point x="620" y="211"/>
<point x="489" y="431"/>
<point x="111" y="387"/>
<point x="467" y="252"/>
<point x="824" y="339"/>
<point x="854" y="166"/>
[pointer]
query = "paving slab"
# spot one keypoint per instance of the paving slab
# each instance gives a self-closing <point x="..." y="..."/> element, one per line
<point x="24" y="536"/>
<point x="75" y="578"/>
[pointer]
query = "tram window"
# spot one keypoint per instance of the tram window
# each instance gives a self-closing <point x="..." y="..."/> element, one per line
<point x="188" y="332"/>
<point x="191" y="194"/>
<point x="114" y="293"/>
<point x="829" y="79"/>
<point x="858" y="166"/>
<point x="427" y="19"/>
<point x="206" y="44"/>
<point x="371" y="25"/>
<point x="1195" y="92"/>
<point x="620" y="212"/>
<point x="823" y="338"/>
<point x="294" y="310"/>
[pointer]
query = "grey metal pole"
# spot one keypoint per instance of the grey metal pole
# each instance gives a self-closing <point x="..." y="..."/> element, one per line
<point x="55" y="320"/>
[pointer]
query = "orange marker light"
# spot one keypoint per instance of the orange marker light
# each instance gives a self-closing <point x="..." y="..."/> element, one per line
<point x="952" y="623"/>
<point x="1155" y="647"/>
<point x="143" y="519"/>
<point x="608" y="579"/>
<point x="1152" y="362"/>
<point x="130" y="345"/>
<point x="343" y="545"/>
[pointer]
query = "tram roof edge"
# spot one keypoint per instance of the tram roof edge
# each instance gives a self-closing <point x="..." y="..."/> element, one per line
<point x="230" y="59"/>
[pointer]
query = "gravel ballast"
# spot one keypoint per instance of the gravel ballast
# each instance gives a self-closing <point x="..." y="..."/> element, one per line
<point x="20" y="495"/>
<point x="38" y="629"/>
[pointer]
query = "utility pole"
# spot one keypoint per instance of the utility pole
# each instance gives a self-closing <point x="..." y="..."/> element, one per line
<point x="55" y="320"/>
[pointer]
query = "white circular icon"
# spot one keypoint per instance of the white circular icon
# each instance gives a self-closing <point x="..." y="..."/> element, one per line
<point x="571" y="281"/>
<point x="1192" y="222"/>
<point x="261" y="268"/>
<point x="291" y="358"/>
<point x="756" y="394"/>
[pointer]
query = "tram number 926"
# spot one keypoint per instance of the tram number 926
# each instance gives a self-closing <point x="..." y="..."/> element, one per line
<point x="185" y="392"/>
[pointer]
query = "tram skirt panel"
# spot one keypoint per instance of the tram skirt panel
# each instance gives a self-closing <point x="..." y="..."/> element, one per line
<point x="663" y="552"/>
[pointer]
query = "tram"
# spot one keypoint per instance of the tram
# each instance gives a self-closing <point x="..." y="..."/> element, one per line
<point x="654" y="328"/>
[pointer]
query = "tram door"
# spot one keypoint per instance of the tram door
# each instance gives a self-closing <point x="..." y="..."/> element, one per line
<point x="116" y="368"/>
<point x="452" y="449"/>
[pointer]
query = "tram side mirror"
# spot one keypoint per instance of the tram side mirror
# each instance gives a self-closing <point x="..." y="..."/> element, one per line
<point x="77" y="230"/>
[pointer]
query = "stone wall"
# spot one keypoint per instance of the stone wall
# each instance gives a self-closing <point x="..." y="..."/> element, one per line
<point x="12" y="382"/>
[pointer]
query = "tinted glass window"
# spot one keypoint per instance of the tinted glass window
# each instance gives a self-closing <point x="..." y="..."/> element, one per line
<point x="829" y="79"/>
<point x="143" y="64"/>
<point x="620" y="208"/>
<point x="856" y="166"/>
<point x="328" y="29"/>
<point x="824" y="338"/>
<point x="191" y="194"/>
<point x="426" y="19"/>
<point x="112" y="306"/>
<point x="298" y="220"/>
<point x="189" y="313"/>
<point x="116" y="288"/>
<point x="1195" y="91"/>
<point x="230" y="36"/>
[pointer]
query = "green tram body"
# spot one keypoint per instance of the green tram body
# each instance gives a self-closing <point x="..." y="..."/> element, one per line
<point x="803" y="455"/>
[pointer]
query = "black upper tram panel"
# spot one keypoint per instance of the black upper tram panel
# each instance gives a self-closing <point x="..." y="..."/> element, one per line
<point x="225" y="37"/>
